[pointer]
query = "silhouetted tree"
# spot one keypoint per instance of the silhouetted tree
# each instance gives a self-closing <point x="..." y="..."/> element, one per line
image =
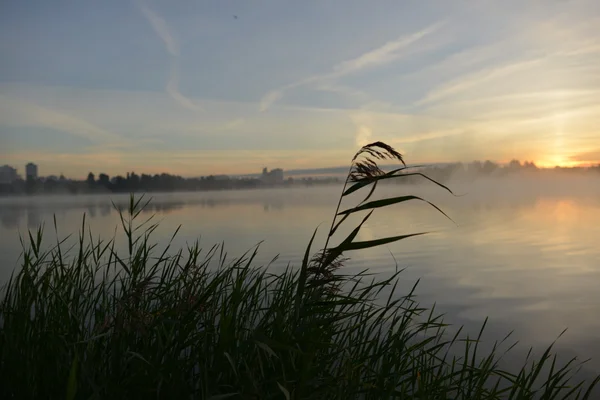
<point x="120" y="184"/>
<point x="104" y="180"/>
<point x="514" y="164"/>
<point x="489" y="167"/>
<point x="91" y="179"/>
<point x="475" y="167"/>
<point x="134" y="181"/>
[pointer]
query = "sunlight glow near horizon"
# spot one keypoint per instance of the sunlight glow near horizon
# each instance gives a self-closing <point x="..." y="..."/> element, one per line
<point x="185" y="88"/>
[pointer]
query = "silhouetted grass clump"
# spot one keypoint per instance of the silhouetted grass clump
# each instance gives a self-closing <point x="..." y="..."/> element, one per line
<point x="88" y="323"/>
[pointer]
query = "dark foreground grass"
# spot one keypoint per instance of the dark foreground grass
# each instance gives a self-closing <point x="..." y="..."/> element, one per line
<point x="87" y="323"/>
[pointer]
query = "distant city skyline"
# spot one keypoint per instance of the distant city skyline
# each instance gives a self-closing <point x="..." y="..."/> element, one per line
<point x="184" y="88"/>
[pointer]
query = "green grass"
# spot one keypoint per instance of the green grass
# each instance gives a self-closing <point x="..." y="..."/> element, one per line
<point x="84" y="322"/>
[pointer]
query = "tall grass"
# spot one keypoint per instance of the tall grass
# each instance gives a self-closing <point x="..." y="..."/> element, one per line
<point x="84" y="322"/>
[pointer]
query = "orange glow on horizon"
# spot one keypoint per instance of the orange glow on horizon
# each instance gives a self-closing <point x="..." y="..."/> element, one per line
<point x="563" y="162"/>
<point x="550" y="160"/>
<point x="554" y="161"/>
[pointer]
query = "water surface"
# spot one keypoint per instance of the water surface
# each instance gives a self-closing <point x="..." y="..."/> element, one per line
<point x="525" y="253"/>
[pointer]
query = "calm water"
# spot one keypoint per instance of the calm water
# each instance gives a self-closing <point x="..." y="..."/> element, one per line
<point x="524" y="253"/>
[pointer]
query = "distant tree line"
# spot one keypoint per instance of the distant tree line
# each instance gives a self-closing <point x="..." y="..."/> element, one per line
<point x="477" y="169"/>
<point x="133" y="182"/>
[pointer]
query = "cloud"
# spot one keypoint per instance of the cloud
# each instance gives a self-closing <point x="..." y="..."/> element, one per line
<point x="72" y="164"/>
<point x="21" y="113"/>
<point x="463" y="59"/>
<point x="382" y="55"/>
<point x="549" y="53"/>
<point x="164" y="33"/>
<point x="345" y="90"/>
<point x="427" y="136"/>
<point x="482" y="76"/>
<point x="173" y="90"/>
<point x="270" y="98"/>
<point x="518" y="106"/>
<point x="233" y="124"/>
<point x="160" y="27"/>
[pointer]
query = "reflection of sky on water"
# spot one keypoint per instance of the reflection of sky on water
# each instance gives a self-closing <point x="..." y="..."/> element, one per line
<point x="527" y="258"/>
<point x="12" y="214"/>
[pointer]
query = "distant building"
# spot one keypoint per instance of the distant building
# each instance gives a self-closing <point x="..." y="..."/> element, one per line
<point x="274" y="177"/>
<point x="31" y="171"/>
<point x="277" y="175"/>
<point x="8" y="174"/>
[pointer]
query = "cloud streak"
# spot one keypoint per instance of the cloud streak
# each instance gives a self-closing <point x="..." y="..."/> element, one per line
<point x="270" y="98"/>
<point x="21" y="113"/>
<point x="160" y="27"/>
<point x="465" y="82"/>
<point x="173" y="90"/>
<point x="382" y="55"/>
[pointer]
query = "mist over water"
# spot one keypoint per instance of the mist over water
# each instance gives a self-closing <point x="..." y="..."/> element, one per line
<point x="524" y="250"/>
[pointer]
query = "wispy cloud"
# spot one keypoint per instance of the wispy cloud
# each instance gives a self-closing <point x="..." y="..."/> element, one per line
<point x="270" y="98"/>
<point x="520" y="106"/>
<point x="467" y="81"/>
<point x="21" y="113"/>
<point x="73" y="164"/>
<point x="161" y="28"/>
<point x="233" y="124"/>
<point x="345" y="90"/>
<point x="173" y="90"/>
<point x="382" y="55"/>
<point x="558" y="50"/>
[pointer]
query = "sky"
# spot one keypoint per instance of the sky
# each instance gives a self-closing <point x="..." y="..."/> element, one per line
<point x="209" y="87"/>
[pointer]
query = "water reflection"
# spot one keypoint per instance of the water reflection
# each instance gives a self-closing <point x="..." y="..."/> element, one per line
<point x="525" y="256"/>
<point x="33" y="218"/>
<point x="12" y="215"/>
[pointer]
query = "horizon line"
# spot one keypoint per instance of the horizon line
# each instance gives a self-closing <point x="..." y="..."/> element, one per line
<point x="331" y="169"/>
